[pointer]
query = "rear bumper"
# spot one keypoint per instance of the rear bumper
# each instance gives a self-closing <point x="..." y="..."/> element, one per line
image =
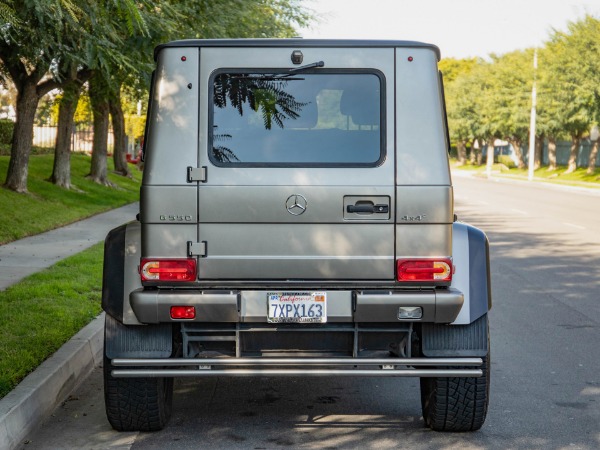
<point x="385" y="367"/>
<point x="438" y="305"/>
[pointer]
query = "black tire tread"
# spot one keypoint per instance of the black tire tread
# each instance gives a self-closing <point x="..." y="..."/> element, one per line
<point x="456" y="404"/>
<point x="137" y="404"/>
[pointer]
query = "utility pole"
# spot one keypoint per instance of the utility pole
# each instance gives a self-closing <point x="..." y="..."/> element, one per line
<point x="532" y="119"/>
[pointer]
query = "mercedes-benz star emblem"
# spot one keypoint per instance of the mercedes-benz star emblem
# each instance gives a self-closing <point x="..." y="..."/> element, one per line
<point x="296" y="204"/>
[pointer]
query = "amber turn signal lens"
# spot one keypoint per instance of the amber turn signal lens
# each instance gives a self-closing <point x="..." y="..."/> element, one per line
<point x="168" y="269"/>
<point x="424" y="270"/>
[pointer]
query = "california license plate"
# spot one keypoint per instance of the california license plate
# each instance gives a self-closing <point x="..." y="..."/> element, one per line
<point x="297" y="307"/>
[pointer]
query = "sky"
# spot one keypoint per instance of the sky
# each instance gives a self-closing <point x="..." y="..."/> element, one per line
<point x="461" y="28"/>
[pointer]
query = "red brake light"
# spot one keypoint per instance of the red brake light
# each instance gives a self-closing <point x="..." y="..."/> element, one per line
<point x="168" y="269"/>
<point x="424" y="270"/>
<point x="183" y="312"/>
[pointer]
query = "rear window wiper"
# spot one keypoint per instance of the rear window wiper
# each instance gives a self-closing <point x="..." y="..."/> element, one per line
<point x="280" y="76"/>
<point x="300" y="69"/>
<point x="271" y="77"/>
<point x="294" y="71"/>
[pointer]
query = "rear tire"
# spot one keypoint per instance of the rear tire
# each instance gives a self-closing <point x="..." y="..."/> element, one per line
<point x="456" y="404"/>
<point x="137" y="404"/>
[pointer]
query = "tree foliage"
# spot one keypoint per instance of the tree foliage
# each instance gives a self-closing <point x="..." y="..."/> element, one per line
<point x="47" y="44"/>
<point x="32" y="42"/>
<point x="264" y="94"/>
<point x="489" y="99"/>
<point x="244" y="19"/>
<point x="462" y="111"/>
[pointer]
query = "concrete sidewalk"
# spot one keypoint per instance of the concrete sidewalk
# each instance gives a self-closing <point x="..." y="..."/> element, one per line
<point x="583" y="186"/>
<point x="40" y="392"/>
<point x="21" y="258"/>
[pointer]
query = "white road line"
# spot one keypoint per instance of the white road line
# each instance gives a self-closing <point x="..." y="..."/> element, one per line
<point x="579" y="227"/>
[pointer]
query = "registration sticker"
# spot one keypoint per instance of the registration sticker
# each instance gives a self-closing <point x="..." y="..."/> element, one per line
<point x="297" y="307"/>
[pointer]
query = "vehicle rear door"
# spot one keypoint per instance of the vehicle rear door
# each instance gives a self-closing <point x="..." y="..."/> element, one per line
<point x="298" y="166"/>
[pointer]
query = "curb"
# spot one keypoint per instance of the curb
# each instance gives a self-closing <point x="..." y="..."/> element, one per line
<point x="36" y="397"/>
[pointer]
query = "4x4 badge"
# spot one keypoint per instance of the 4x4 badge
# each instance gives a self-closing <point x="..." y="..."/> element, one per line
<point x="296" y="204"/>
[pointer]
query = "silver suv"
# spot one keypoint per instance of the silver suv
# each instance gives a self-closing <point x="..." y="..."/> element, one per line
<point x="296" y="218"/>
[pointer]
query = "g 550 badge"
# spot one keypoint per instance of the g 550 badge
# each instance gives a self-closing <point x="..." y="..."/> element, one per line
<point x="175" y="218"/>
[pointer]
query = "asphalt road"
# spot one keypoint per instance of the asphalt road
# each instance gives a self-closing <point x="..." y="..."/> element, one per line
<point x="545" y="327"/>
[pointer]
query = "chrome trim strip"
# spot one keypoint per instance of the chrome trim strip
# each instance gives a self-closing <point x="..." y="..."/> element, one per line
<point x="391" y="365"/>
<point x="169" y="362"/>
<point x="159" y="373"/>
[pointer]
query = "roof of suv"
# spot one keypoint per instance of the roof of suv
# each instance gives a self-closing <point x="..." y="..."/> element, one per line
<point x="295" y="42"/>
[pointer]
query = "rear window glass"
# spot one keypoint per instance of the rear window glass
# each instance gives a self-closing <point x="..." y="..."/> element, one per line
<point x="305" y="119"/>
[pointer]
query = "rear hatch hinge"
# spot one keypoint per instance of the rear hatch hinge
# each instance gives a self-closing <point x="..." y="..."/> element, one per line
<point x="196" y="174"/>
<point x="196" y="249"/>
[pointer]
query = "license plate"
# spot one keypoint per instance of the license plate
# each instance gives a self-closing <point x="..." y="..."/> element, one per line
<point x="297" y="307"/>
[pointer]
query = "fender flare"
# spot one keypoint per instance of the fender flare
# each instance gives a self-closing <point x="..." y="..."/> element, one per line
<point x="122" y="251"/>
<point x="468" y="335"/>
<point x="123" y="337"/>
<point x="471" y="257"/>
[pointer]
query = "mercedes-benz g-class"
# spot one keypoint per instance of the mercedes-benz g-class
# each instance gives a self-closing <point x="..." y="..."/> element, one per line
<point x="296" y="219"/>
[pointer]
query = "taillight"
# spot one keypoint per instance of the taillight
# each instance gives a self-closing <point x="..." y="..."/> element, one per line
<point x="168" y="269"/>
<point x="424" y="270"/>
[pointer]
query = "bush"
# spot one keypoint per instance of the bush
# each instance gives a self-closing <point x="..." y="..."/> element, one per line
<point x="6" y="131"/>
<point x="507" y="161"/>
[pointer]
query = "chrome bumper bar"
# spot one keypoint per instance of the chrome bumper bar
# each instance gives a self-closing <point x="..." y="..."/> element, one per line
<point x="386" y="367"/>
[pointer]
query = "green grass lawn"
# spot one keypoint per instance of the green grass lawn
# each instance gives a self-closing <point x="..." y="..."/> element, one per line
<point x="47" y="206"/>
<point x="577" y="178"/>
<point x="45" y="310"/>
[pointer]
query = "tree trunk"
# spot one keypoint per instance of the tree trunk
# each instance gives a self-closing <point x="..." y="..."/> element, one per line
<point x="461" y="147"/>
<point x="490" y="155"/>
<point x="575" y="140"/>
<point x="27" y="101"/>
<point x="539" y="152"/>
<point x="474" y="151"/>
<point x="473" y="155"/>
<point x="61" y="172"/>
<point x="100" y="110"/>
<point x="516" y="145"/>
<point x="118" y="123"/>
<point x="479" y="154"/>
<point x="593" y="156"/>
<point x="551" y="153"/>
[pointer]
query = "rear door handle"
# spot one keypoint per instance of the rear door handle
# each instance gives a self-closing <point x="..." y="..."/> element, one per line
<point x="368" y="209"/>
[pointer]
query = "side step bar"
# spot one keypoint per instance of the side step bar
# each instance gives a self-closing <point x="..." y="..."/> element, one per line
<point x="386" y="367"/>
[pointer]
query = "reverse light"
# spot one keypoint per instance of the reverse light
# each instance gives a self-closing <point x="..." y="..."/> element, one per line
<point x="410" y="312"/>
<point x="424" y="270"/>
<point x="183" y="312"/>
<point x="168" y="269"/>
